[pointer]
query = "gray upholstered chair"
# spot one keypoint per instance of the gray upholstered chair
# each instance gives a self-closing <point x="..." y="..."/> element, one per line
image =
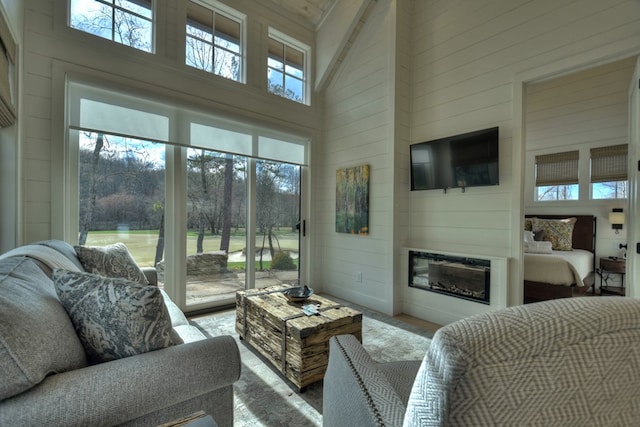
<point x="567" y="362"/>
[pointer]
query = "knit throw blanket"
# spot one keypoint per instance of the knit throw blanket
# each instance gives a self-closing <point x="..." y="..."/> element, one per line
<point x="48" y="256"/>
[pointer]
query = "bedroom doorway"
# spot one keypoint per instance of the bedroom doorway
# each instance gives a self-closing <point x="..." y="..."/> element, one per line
<point x="592" y="108"/>
<point x="633" y="233"/>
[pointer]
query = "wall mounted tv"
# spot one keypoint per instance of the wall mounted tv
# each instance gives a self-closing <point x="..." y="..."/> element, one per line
<point x="459" y="161"/>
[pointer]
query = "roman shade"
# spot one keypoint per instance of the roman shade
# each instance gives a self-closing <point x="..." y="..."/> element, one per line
<point x="609" y="163"/>
<point x="207" y="20"/>
<point x="557" y="169"/>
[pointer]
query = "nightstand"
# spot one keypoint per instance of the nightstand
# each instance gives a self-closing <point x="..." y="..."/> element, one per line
<point x="612" y="266"/>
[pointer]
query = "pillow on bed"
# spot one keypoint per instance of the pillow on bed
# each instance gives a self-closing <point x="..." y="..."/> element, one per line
<point x="528" y="224"/>
<point x="528" y="236"/>
<point x="537" y="247"/>
<point x="557" y="231"/>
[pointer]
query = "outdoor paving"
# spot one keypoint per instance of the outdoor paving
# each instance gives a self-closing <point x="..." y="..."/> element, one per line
<point x="224" y="286"/>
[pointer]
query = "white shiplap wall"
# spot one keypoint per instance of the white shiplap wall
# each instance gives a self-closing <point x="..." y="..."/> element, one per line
<point x="359" y="114"/>
<point x="469" y="60"/>
<point x="9" y="152"/>
<point x="403" y="95"/>
<point x="579" y="111"/>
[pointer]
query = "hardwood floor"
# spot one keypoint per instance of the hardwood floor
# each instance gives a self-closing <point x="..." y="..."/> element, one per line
<point x="432" y="327"/>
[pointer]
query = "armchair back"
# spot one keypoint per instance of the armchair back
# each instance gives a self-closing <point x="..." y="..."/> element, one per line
<point x="572" y="361"/>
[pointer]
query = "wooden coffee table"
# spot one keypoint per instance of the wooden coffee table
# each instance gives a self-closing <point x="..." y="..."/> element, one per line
<point x="295" y="344"/>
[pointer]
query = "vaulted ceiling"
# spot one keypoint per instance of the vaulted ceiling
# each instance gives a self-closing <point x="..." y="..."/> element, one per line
<point x="311" y="10"/>
<point x="337" y="24"/>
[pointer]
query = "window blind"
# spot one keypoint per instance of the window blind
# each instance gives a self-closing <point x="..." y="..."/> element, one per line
<point x="609" y="163"/>
<point x="96" y="109"/>
<point x="557" y="169"/>
<point x="203" y="19"/>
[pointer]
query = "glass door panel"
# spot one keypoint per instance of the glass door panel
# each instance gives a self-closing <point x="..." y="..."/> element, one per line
<point x="277" y="223"/>
<point x="121" y="194"/>
<point x="216" y="227"/>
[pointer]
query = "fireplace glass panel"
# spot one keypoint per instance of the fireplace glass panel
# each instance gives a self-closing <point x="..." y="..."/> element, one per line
<point x="456" y="276"/>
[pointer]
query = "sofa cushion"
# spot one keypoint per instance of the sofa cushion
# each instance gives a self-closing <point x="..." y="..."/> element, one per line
<point x="36" y="335"/>
<point x="111" y="261"/>
<point x="114" y="317"/>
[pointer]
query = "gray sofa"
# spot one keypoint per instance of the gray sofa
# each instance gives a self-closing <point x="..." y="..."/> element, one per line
<point x="566" y="362"/>
<point x="46" y="379"/>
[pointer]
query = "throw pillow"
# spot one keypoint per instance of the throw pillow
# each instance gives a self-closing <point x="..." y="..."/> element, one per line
<point x="36" y="336"/>
<point x="528" y="224"/>
<point x="111" y="261"/>
<point x="557" y="231"/>
<point x="114" y="317"/>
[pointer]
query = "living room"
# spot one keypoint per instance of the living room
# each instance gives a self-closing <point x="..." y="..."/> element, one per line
<point x="358" y="112"/>
<point x="396" y="73"/>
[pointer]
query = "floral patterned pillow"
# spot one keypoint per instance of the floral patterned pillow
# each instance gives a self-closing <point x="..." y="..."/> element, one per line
<point x="557" y="231"/>
<point x="113" y="317"/>
<point x="111" y="261"/>
<point x="528" y="224"/>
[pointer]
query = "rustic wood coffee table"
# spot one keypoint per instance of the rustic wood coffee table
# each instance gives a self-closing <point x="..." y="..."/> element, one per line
<point x="297" y="345"/>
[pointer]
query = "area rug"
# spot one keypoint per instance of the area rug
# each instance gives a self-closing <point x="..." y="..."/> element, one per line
<point x="263" y="397"/>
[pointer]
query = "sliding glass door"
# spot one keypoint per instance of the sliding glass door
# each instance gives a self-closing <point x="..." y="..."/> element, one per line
<point x="214" y="206"/>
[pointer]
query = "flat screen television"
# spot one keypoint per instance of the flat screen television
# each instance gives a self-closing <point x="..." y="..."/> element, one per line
<point x="459" y="161"/>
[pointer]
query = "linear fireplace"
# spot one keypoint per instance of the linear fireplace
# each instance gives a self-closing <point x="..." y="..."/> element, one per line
<point x="457" y="276"/>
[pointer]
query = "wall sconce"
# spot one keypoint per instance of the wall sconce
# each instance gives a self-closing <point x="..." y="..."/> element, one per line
<point x="616" y="218"/>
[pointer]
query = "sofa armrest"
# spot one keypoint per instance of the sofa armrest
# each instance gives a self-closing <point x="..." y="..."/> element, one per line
<point x="114" y="392"/>
<point x="356" y="391"/>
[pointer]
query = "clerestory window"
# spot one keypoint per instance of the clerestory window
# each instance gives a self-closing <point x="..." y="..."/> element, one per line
<point x="128" y="22"/>
<point x="214" y="41"/>
<point x="286" y="69"/>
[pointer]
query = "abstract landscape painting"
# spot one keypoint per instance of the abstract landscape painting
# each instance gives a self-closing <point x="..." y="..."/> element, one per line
<point x="352" y="200"/>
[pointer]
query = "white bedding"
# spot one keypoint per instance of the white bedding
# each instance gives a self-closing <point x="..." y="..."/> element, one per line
<point x="559" y="267"/>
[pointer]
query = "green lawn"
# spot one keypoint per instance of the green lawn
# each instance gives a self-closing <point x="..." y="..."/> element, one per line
<point x="142" y="243"/>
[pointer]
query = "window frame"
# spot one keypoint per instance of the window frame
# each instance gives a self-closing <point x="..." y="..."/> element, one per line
<point x="66" y="215"/>
<point x="218" y="8"/>
<point x="290" y="42"/>
<point x="562" y="170"/>
<point x="114" y="8"/>
<point x="608" y="165"/>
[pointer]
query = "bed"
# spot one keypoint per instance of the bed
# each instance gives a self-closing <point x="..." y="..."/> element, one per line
<point x="562" y="273"/>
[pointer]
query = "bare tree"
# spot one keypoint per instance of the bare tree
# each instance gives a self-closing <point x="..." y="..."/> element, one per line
<point x="129" y="24"/>
<point x="87" y="218"/>
<point x="227" y="204"/>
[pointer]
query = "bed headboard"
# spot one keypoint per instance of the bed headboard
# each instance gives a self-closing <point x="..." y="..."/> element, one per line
<point x="584" y="230"/>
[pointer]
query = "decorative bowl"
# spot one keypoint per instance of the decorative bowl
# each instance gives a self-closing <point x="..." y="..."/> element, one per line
<point x="298" y="294"/>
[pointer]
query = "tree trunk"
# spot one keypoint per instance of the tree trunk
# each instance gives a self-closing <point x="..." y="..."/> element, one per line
<point x="226" y="206"/>
<point x="201" y="230"/>
<point x="160" y="244"/>
<point x="202" y="220"/>
<point x="85" y="226"/>
<point x="261" y="251"/>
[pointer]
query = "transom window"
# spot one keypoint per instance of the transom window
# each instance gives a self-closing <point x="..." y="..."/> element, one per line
<point x="128" y="22"/>
<point x="286" y="73"/>
<point x="213" y="42"/>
